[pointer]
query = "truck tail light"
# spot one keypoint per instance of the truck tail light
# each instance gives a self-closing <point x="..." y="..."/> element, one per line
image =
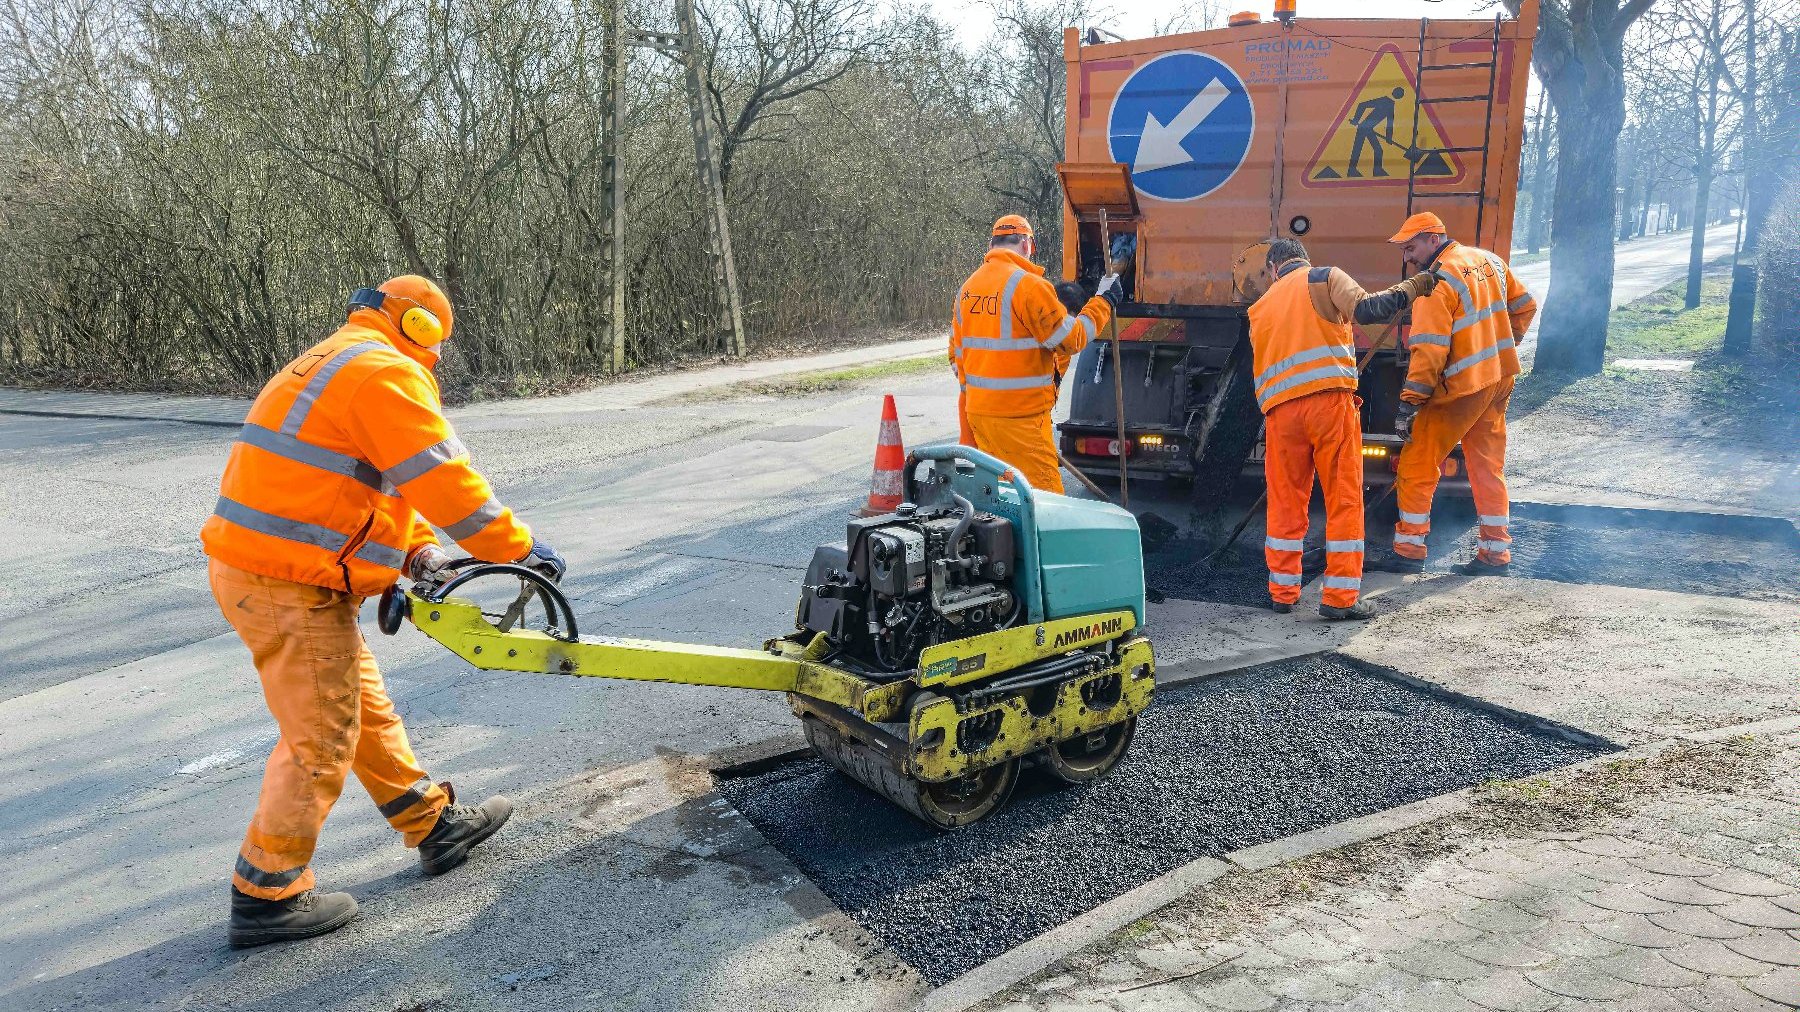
<point x="1099" y="446"/>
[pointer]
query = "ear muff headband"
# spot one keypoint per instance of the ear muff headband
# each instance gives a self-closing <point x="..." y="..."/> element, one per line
<point x="420" y="325"/>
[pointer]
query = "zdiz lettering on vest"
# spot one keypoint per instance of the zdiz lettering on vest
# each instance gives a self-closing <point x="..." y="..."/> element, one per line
<point x="1106" y="628"/>
<point x="989" y="304"/>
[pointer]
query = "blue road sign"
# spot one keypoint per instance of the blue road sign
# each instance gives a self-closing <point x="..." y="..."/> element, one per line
<point x="1183" y="123"/>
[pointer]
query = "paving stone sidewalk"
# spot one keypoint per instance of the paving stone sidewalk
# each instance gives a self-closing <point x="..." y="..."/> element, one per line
<point x="1684" y="896"/>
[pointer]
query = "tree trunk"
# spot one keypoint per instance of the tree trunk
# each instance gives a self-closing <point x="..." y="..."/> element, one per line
<point x="1697" y="247"/>
<point x="1540" y="181"/>
<point x="1572" y="338"/>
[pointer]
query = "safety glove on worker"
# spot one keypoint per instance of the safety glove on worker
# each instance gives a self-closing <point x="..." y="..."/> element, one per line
<point x="425" y="564"/>
<point x="1419" y="285"/>
<point x="1111" y="291"/>
<point x="547" y="561"/>
<point x="1403" y="420"/>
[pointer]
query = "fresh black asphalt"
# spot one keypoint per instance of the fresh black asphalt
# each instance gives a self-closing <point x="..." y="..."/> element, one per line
<point x="1218" y="765"/>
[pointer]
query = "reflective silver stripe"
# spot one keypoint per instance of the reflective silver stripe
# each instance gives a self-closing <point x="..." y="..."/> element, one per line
<point x="1012" y="382"/>
<point x="381" y="555"/>
<point x="1062" y="331"/>
<point x="1418" y="388"/>
<point x="477" y="521"/>
<point x="268" y="879"/>
<point x="1441" y="340"/>
<point x="1500" y="521"/>
<point x="1001" y="343"/>
<point x="1415" y="518"/>
<point x="294" y="449"/>
<point x="414" y="794"/>
<point x="1284" y="579"/>
<point x="1006" y="294"/>
<point x="1299" y="378"/>
<point x="1310" y="354"/>
<point x="1344" y="546"/>
<point x="1472" y="318"/>
<point x="304" y="533"/>
<point x="1521" y="302"/>
<point x="426" y="460"/>
<point x="1409" y="539"/>
<point x="1493" y="546"/>
<point x="315" y="386"/>
<point x="1456" y="282"/>
<point x="1342" y="583"/>
<point x="1468" y="360"/>
<point x="1284" y="544"/>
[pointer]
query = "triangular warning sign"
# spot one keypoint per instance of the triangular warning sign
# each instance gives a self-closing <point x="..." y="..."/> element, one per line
<point x="1369" y="142"/>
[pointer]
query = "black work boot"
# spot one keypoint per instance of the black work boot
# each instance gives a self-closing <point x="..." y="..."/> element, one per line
<point x="1280" y="607"/>
<point x="1482" y="567"/>
<point x="1362" y="609"/>
<point x="459" y="828"/>
<point x="256" y="921"/>
<point x="1393" y="562"/>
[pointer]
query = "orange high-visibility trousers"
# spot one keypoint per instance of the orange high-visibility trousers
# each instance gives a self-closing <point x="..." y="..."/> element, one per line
<point x="1027" y="443"/>
<point x="334" y="716"/>
<point x="965" y="436"/>
<point x="1477" y="421"/>
<point x="1319" y="433"/>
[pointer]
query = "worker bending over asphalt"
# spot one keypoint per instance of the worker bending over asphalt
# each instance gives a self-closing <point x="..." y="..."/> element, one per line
<point x="316" y="512"/>
<point x="1464" y="344"/>
<point x="1009" y="336"/>
<point x="1304" y="360"/>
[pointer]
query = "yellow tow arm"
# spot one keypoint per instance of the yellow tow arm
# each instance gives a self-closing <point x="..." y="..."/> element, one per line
<point x="782" y="666"/>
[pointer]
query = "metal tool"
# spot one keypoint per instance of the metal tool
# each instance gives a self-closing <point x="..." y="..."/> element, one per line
<point x="942" y="650"/>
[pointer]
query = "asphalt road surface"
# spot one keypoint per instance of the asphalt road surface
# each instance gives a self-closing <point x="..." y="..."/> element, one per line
<point x="132" y="731"/>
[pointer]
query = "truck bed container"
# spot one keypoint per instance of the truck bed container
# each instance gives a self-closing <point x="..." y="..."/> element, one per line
<point x="1233" y="136"/>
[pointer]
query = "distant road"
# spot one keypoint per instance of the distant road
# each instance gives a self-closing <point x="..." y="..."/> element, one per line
<point x="1641" y="266"/>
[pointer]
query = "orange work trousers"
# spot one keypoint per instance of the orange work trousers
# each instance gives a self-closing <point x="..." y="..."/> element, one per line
<point x="1027" y="444"/>
<point x="1320" y="433"/>
<point x="1478" y="421"/>
<point x="965" y="436"/>
<point x="334" y="716"/>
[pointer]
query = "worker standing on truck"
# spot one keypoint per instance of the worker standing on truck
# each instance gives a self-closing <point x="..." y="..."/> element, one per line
<point x="1464" y="357"/>
<point x="1008" y="332"/>
<point x="1304" y="360"/>
<point x="316" y="512"/>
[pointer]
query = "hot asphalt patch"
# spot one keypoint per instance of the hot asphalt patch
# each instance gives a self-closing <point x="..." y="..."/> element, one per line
<point x="1218" y="765"/>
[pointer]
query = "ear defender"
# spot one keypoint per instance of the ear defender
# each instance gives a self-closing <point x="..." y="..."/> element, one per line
<point x="420" y="325"/>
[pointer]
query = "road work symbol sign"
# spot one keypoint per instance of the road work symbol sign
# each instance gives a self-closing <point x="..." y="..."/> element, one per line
<point x="1183" y="123"/>
<point x="1367" y="144"/>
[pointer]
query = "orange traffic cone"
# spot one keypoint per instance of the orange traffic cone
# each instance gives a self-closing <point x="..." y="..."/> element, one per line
<point x="888" y="484"/>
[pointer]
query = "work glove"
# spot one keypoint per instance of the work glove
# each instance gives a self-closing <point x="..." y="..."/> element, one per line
<point x="425" y="563"/>
<point x="1419" y="285"/>
<point x="1403" y="420"/>
<point x="1111" y="291"/>
<point x="547" y="561"/>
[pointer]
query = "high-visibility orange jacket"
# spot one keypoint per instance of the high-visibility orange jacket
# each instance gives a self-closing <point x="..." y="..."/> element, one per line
<point x="1007" y="328"/>
<point x="337" y="453"/>
<point x="1300" y="337"/>
<point x="1465" y="334"/>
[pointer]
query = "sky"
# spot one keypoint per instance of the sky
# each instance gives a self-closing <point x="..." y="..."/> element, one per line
<point x="1136" y="17"/>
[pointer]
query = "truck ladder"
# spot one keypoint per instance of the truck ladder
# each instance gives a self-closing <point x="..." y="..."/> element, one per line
<point x="1416" y="154"/>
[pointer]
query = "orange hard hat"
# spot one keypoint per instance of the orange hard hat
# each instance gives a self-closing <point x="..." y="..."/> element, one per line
<point x="1424" y="221"/>
<point x="1013" y="224"/>
<point x="422" y="293"/>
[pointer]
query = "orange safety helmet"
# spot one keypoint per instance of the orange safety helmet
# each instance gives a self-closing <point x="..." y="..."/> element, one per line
<point x="1013" y="224"/>
<point x="423" y="311"/>
<point x="1424" y="221"/>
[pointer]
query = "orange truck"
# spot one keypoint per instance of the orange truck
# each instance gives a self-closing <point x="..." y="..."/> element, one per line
<point x="1186" y="154"/>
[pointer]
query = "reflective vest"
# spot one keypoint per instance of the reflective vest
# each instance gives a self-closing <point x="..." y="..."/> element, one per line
<point x="1295" y="352"/>
<point x="1465" y="334"/>
<point x="1006" y="332"/>
<point x="335" y="455"/>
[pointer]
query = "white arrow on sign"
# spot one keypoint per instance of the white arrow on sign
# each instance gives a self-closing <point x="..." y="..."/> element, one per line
<point x="1160" y="145"/>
